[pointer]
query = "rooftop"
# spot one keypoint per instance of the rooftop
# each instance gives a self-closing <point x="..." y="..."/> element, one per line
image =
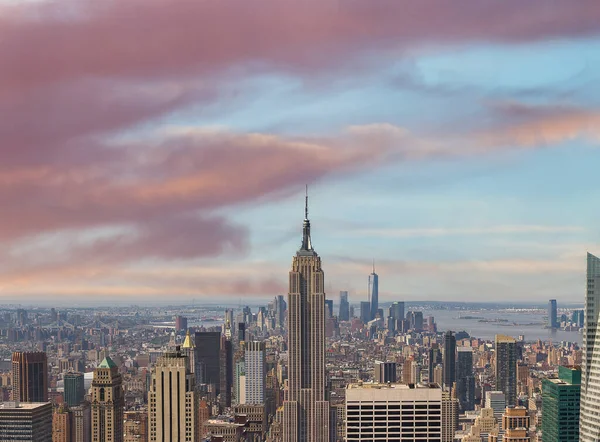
<point x="379" y="386"/>
<point x="22" y="405"/>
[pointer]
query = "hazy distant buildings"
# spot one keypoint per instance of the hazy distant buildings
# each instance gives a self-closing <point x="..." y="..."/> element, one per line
<point x="27" y="422"/>
<point x="449" y="359"/>
<point x="30" y="376"/>
<point x="385" y="372"/>
<point x="393" y="412"/>
<point x="465" y="378"/>
<point x="506" y="367"/>
<point x="306" y="412"/>
<point x="74" y="389"/>
<point x="365" y="312"/>
<point x="560" y="405"/>
<point x="344" y="314"/>
<point x="173" y="404"/>
<point x="328" y="308"/>
<point x="397" y="311"/>
<point x="589" y="427"/>
<point x="107" y="403"/>
<point x="374" y="292"/>
<point x="552" y="314"/>
<point x="415" y="320"/>
<point x="181" y="323"/>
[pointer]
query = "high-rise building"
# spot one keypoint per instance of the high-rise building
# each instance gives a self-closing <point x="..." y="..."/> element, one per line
<point x="328" y="308"/>
<point x="385" y="372"/>
<point x="108" y="401"/>
<point x="434" y="358"/>
<point x="81" y="428"/>
<point x="552" y="314"/>
<point x="465" y="378"/>
<point x="306" y="412"/>
<point x="27" y="422"/>
<point x="393" y="412"/>
<point x="255" y="373"/>
<point x="74" y="388"/>
<point x="515" y="424"/>
<point x="560" y="405"/>
<point x="415" y="320"/>
<point x="30" y="376"/>
<point x="449" y="359"/>
<point x="226" y="371"/>
<point x="61" y="425"/>
<point x="589" y="423"/>
<point x="397" y="311"/>
<point x="181" y="323"/>
<point x="449" y="416"/>
<point x="173" y="402"/>
<point x="280" y="309"/>
<point x="189" y="349"/>
<point x="344" y="307"/>
<point x="506" y="367"/>
<point x="374" y="292"/>
<point x="365" y="312"/>
<point x="207" y="352"/>
<point x="135" y="427"/>
<point x="496" y="400"/>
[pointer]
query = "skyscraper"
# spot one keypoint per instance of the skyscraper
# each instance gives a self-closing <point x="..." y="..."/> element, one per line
<point x="344" y="307"/>
<point x="74" y="389"/>
<point x="306" y="412"/>
<point x="226" y="371"/>
<point x="61" y="424"/>
<point x="173" y="405"/>
<point x="329" y="308"/>
<point x="374" y="292"/>
<point x="30" y="376"/>
<point x="385" y="372"/>
<point x="449" y="359"/>
<point x="506" y="367"/>
<point x="552" y="315"/>
<point x="189" y="349"/>
<point x="207" y="353"/>
<point x="365" y="312"/>
<point x="108" y="401"/>
<point x="465" y="379"/>
<point x="397" y="311"/>
<point x="589" y="424"/>
<point x="30" y="422"/>
<point x="560" y="405"/>
<point x="180" y="323"/>
<point x="255" y="373"/>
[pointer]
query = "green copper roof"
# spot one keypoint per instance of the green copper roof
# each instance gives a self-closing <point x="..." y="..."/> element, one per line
<point x="107" y="363"/>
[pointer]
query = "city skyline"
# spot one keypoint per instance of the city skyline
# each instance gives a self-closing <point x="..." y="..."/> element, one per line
<point x="455" y="155"/>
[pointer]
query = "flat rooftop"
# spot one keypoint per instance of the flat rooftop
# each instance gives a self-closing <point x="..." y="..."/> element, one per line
<point x="22" y="405"/>
<point x="382" y="386"/>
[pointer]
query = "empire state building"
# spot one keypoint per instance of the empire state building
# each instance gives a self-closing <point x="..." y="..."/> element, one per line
<point x="306" y="412"/>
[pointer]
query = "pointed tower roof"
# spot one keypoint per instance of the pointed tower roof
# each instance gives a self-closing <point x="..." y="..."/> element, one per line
<point x="107" y="363"/>
<point x="188" y="342"/>
<point x="306" y="248"/>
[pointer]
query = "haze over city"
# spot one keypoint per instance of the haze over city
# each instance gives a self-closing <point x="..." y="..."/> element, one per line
<point x="157" y="151"/>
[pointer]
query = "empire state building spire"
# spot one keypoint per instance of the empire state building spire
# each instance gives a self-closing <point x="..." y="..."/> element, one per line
<point x="306" y="247"/>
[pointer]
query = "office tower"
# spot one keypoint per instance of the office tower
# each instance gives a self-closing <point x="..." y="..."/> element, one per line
<point x="280" y="309"/>
<point x="496" y="400"/>
<point x="135" y="427"/>
<point x="27" y="422"/>
<point x="241" y="332"/>
<point x="449" y="416"/>
<point x="328" y="308"/>
<point x="465" y="379"/>
<point x="515" y="425"/>
<point x="306" y="412"/>
<point x="365" y="312"/>
<point x="344" y="307"/>
<point x="181" y="323"/>
<point x="415" y="320"/>
<point x="449" y="359"/>
<point x="385" y="372"/>
<point x="61" y="425"/>
<point x="30" y="376"/>
<point x="589" y="423"/>
<point x="374" y="292"/>
<point x="82" y="423"/>
<point x="207" y="352"/>
<point x="173" y="401"/>
<point x="397" y="311"/>
<point x="434" y="358"/>
<point x="108" y="401"/>
<point x="74" y="389"/>
<point x="239" y="379"/>
<point x="189" y="349"/>
<point x="394" y="412"/>
<point x="255" y="359"/>
<point x="506" y="367"/>
<point x="552" y="315"/>
<point x="226" y="371"/>
<point x="560" y="405"/>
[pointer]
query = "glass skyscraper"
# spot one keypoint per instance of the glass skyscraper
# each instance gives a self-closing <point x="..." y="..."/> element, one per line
<point x="560" y="405"/>
<point x="374" y="292"/>
<point x="552" y="315"/>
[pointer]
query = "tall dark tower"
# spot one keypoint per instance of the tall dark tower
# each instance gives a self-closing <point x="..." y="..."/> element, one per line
<point x="374" y="292"/>
<point x="306" y="412"/>
<point x="449" y="359"/>
<point x="30" y="376"/>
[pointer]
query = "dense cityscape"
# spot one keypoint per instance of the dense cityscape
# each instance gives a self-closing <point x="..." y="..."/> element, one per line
<point x="300" y="369"/>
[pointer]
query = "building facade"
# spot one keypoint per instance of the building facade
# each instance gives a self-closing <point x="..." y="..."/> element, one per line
<point x="344" y="314"/>
<point x="552" y="314"/>
<point x="27" y="422"/>
<point x="207" y="353"/>
<point x="465" y="378"/>
<point x="399" y="412"/>
<point x="107" y="403"/>
<point x="306" y="412"/>
<point x="255" y="373"/>
<point x="30" y="376"/>
<point x="506" y="367"/>
<point x="172" y="400"/>
<point x="589" y="423"/>
<point x="560" y="405"/>
<point x="74" y="389"/>
<point x="385" y="372"/>
<point x="374" y="293"/>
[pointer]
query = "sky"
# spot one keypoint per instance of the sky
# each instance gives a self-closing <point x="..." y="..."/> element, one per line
<point x="157" y="152"/>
